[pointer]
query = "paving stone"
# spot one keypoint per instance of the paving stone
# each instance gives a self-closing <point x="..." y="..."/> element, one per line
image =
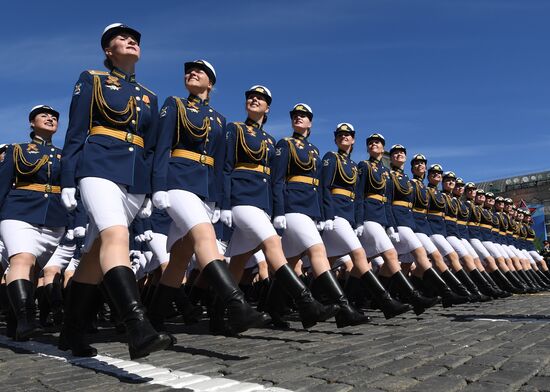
<point x="397" y="383"/>
<point x="513" y="378"/>
<point x="469" y="372"/>
<point x="440" y="383"/>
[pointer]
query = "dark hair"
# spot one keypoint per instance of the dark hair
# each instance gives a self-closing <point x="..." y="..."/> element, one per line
<point x="108" y="63"/>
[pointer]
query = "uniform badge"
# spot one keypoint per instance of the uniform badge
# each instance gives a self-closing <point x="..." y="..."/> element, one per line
<point x="58" y="156"/>
<point x="326" y="162"/>
<point x="218" y="121"/>
<point x="250" y="131"/>
<point x="146" y="99"/>
<point x="163" y="111"/>
<point x="77" y="89"/>
<point x="112" y="83"/>
<point x="32" y="148"/>
<point x="278" y="151"/>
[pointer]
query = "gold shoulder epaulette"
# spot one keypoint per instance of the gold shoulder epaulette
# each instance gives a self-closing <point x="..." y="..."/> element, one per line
<point x="143" y="87"/>
<point x="287" y="138"/>
<point x="94" y="72"/>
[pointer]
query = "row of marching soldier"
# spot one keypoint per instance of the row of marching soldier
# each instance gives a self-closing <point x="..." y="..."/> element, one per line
<point x="163" y="212"/>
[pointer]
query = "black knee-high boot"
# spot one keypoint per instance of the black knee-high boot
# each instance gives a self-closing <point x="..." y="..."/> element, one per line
<point x="407" y="293"/>
<point x="241" y="316"/>
<point x="77" y="319"/>
<point x="160" y="305"/>
<point x="346" y="315"/>
<point x="122" y="288"/>
<point x="531" y="287"/>
<point x="494" y="285"/>
<point x="504" y="283"/>
<point x="275" y="304"/>
<point x="190" y="313"/>
<point x="482" y="284"/>
<point x="535" y="278"/>
<point x="21" y="296"/>
<point x="381" y="297"/>
<point x="543" y="277"/>
<point x="54" y="295"/>
<point x="457" y="286"/>
<point x="471" y="286"/>
<point x="512" y="277"/>
<point x="44" y="307"/>
<point x="311" y="311"/>
<point x="448" y="297"/>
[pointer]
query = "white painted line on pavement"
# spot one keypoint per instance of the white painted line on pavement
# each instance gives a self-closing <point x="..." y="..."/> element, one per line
<point x="135" y="371"/>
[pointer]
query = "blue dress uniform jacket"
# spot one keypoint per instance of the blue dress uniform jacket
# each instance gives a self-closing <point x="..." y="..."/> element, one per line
<point x="160" y="221"/>
<point x="486" y="225"/>
<point x="32" y="165"/>
<point x="338" y="182"/>
<point x="462" y="220"/>
<point x="295" y="178"/>
<point x="474" y="218"/>
<point x="248" y="167"/>
<point x="190" y="148"/>
<point x="110" y="103"/>
<point x="436" y="211"/>
<point x="451" y="215"/>
<point x="400" y="194"/>
<point x="371" y="192"/>
<point x="420" y="206"/>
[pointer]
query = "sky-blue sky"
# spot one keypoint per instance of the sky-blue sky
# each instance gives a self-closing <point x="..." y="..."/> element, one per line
<point x="466" y="82"/>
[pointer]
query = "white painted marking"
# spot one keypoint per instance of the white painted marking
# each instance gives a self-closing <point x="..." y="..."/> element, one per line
<point x="132" y="370"/>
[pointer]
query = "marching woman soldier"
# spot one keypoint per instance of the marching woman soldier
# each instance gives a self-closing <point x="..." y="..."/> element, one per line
<point x="297" y="204"/>
<point x="338" y="182"/>
<point x="32" y="218"/>
<point x="248" y="206"/>
<point x="436" y="217"/>
<point x="187" y="181"/>
<point x="399" y="192"/>
<point x="107" y="154"/>
<point x="375" y="232"/>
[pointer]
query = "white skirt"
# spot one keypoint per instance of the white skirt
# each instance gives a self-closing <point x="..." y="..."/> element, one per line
<point x="426" y="242"/>
<point x="22" y="237"/>
<point x="342" y="240"/>
<point x="507" y="252"/>
<point x="517" y="252"/>
<point x="61" y="257"/>
<point x="374" y="239"/>
<point x="300" y="234"/>
<point x="187" y="210"/>
<point x="256" y="258"/>
<point x="158" y="247"/>
<point x="479" y="248"/>
<point x="408" y="241"/>
<point x="458" y="246"/>
<point x="442" y="244"/>
<point x="492" y="249"/>
<point x="536" y="255"/>
<point x="108" y="204"/>
<point x="72" y="265"/>
<point x="340" y="261"/>
<point x="469" y="248"/>
<point x="252" y="227"/>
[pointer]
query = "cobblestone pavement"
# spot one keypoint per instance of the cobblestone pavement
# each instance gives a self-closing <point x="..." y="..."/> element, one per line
<point x="499" y="346"/>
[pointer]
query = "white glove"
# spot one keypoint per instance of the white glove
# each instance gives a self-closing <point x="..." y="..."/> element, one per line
<point x="394" y="236"/>
<point x="216" y="215"/>
<point x="161" y="200"/>
<point x="146" y="208"/>
<point x="140" y="238"/>
<point x="68" y="198"/>
<point x="148" y="235"/>
<point x="134" y="256"/>
<point x="329" y="225"/>
<point x="69" y="235"/>
<point x="79" y="232"/>
<point x="321" y="225"/>
<point x="226" y="216"/>
<point x="359" y="231"/>
<point x="279" y="222"/>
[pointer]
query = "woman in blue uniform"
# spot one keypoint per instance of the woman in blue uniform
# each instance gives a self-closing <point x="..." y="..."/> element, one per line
<point x="338" y="183"/>
<point x="32" y="218"/>
<point x="400" y="194"/>
<point x="248" y="206"/>
<point x="107" y="154"/>
<point x="297" y="205"/>
<point x="187" y="182"/>
<point x="373" y="211"/>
